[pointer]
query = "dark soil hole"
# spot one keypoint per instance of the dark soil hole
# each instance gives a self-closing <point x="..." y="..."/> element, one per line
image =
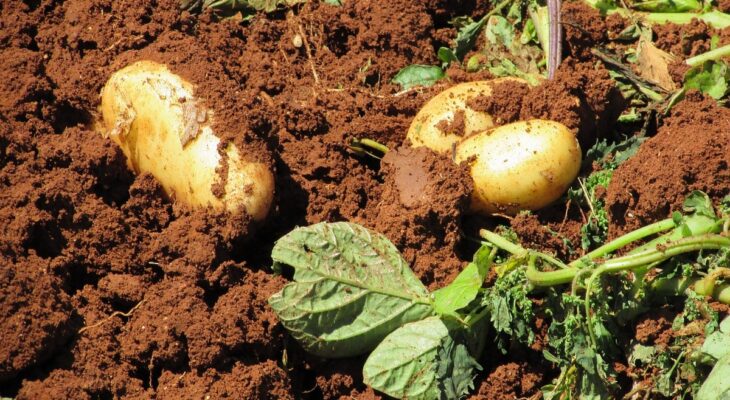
<point x="372" y="79"/>
<point x="113" y="191"/>
<point x="85" y="45"/>
<point x="113" y="180"/>
<point x="47" y="240"/>
<point x="32" y="4"/>
<point x="141" y="372"/>
<point x="211" y="293"/>
<point x="67" y="116"/>
<point x="443" y="11"/>
<point x="32" y="32"/>
<point x="337" y="40"/>
<point x="76" y="276"/>
<point x="4" y="143"/>
<point x="59" y="206"/>
<point x="10" y="389"/>
<point x="150" y="374"/>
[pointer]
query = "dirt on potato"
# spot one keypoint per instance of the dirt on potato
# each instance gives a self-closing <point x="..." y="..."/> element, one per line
<point x="108" y="289"/>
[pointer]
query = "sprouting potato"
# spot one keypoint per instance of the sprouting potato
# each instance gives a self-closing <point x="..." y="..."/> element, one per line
<point x="153" y="115"/>
<point x="424" y="130"/>
<point x="524" y="165"/>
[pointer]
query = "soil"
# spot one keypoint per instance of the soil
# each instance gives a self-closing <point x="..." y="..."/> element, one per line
<point x="109" y="289"/>
<point x="689" y="152"/>
<point x="688" y="40"/>
<point x="505" y="102"/>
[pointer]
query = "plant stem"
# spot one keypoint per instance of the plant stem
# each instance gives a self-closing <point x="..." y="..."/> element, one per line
<point x="677" y="286"/>
<point x="516" y="249"/>
<point x="555" y="42"/>
<point x="711" y="55"/>
<point x="587" y="302"/>
<point x="501" y="242"/>
<point x="715" y="19"/>
<point x="366" y="146"/>
<point x="668" y="250"/>
<point x="624" y="240"/>
<point x="498" y="8"/>
<point x="661" y="253"/>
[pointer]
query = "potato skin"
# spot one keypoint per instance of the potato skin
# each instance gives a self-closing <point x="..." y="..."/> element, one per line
<point x="153" y="115"/>
<point x="444" y="106"/>
<point x="525" y="165"/>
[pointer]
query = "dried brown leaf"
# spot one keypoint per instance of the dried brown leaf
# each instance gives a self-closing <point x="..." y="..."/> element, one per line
<point x="653" y="65"/>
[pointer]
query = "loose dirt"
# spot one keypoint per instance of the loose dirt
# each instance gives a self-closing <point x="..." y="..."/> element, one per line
<point x="109" y="289"/>
<point x="689" y="152"/>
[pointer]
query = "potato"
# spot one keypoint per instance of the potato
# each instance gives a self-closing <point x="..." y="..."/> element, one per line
<point x="444" y="106"/>
<point x="525" y="165"/>
<point x="153" y="115"/>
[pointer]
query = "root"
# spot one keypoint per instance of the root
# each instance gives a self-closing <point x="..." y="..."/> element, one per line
<point x="114" y="314"/>
<point x="308" y="50"/>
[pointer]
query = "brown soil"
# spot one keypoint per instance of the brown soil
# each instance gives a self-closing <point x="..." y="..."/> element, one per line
<point x="582" y="97"/>
<point x="689" y="152"/>
<point x="520" y="378"/>
<point x="424" y="196"/>
<point x="505" y="102"/>
<point x="457" y="126"/>
<point x="687" y="40"/>
<point x="108" y="289"/>
<point x="584" y="27"/>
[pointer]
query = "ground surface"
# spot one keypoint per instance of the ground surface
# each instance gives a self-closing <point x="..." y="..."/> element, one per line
<point x="82" y="239"/>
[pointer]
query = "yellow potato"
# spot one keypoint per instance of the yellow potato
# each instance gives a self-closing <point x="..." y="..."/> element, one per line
<point x="153" y="115"/>
<point x="525" y="165"/>
<point x="443" y="107"/>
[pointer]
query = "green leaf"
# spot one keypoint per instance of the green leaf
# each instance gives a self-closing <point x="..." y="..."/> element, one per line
<point x="465" y="287"/>
<point x="418" y="75"/>
<point x="404" y="364"/>
<point x="501" y="315"/>
<point x="602" y="5"/>
<point x="467" y="38"/>
<point x="642" y="355"/>
<point x="717" y="384"/>
<point x="698" y="203"/>
<point x="421" y="360"/>
<point x="717" y="345"/>
<point x="333" y="2"/>
<point x="351" y="288"/>
<point x="529" y="34"/>
<point x="460" y="21"/>
<point x="455" y="369"/>
<point x="725" y="326"/>
<point x="447" y="56"/>
<point x="710" y="78"/>
<point x="500" y="31"/>
<point x="609" y="155"/>
<point x="510" y="309"/>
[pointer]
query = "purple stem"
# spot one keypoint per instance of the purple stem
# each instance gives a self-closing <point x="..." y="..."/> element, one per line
<point x="555" y="40"/>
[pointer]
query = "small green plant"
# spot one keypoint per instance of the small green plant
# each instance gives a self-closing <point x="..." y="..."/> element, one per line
<point x="352" y="293"/>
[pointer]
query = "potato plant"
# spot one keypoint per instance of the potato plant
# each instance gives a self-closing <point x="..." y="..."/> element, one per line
<point x="354" y="294"/>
